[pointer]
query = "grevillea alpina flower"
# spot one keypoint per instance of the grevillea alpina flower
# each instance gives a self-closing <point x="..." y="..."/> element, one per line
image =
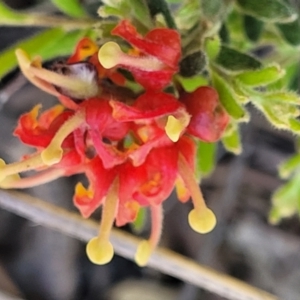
<point x="209" y="119"/>
<point x="133" y="150"/>
<point x="154" y="59"/>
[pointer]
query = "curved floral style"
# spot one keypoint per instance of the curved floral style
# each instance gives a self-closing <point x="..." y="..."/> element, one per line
<point x="133" y="148"/>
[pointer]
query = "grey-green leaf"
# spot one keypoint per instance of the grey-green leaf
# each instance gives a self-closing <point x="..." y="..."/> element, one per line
<point x="276" y="11"/>
<point x="212" y="8"/>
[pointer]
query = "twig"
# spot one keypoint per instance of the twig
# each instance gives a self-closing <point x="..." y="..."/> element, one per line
<point x="12" y="87"/>
<point x="164" y="260"/>
<point x="41" y="20"/>
<point x="5" y="296"/>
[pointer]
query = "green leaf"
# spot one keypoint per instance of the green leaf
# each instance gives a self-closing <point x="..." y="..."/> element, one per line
<point x="274" y="216"/>
<point x="273" y="118"/>
<point x="242" y="91"/>
<point x="281" y="112"/>
<point x="32" y="45"/>
<point x="212" y="8"/>
<point x="139" y="223"/>
<point x="72" y="8"/>
<point x="105" y="28"/>
<point x="261" y="77"/>
<point x="269" y="10"/>
<point x="8" y="15"/>
<point x="285" y="200"/>
<point x="289" y="166"/>
<point x="49" y="43"/>
<point x="141" y="12"/>
<point x="294" y="125"/>
<point x="64" y="45"/>
<point x="229" y="99"/>
<point x="285" y="97"/>
<point x="212" y="46"/>
<point x="106" y="11"/>
<point x="291" y="32"/>
<point x="278" y="114"/>
<point x="253" y="28"/>
<point x="232" y="141"/>
<point x="190" y="84"/>
<point x="206" y="158"/>
<point x="224" y="34"/>
<point x="297" y="144"/>
<point x="161" y="6"/>
<point x="233" y="60"/>
<point x="188" y="14"/>
<point x="292" y="78"/>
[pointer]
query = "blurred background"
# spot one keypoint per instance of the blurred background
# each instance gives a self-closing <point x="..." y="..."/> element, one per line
<point x="37" y="263"/>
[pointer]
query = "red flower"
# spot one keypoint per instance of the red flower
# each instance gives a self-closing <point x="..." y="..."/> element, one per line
<point x="133" y="150"/>
<point x="39" y="132"/>
<point x="161" y="43"/>
<point x="150" y="105"/>
<point x="156" y="55"/>
<point x="209" y="119"/>
<point x="150" y="115"/>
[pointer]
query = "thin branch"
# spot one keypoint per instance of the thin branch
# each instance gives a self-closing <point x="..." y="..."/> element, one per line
<point x="5" y="296"/>
<point x="125" y="244"/>
<point x="16" y="84"/>
<point x="41" y="20"/>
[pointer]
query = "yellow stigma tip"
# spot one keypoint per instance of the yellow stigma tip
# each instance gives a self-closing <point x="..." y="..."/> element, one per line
<point x="109" y="55"/>
<point x="99" y="252"/>
<point x="51" y="156"/>
<point x="173" y="128"/>
<point x="143" y="253"/>
<point x="202" y="221"/>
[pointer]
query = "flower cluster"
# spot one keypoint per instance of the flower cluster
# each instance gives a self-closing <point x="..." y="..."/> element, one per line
<point x="134" y="148"/>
